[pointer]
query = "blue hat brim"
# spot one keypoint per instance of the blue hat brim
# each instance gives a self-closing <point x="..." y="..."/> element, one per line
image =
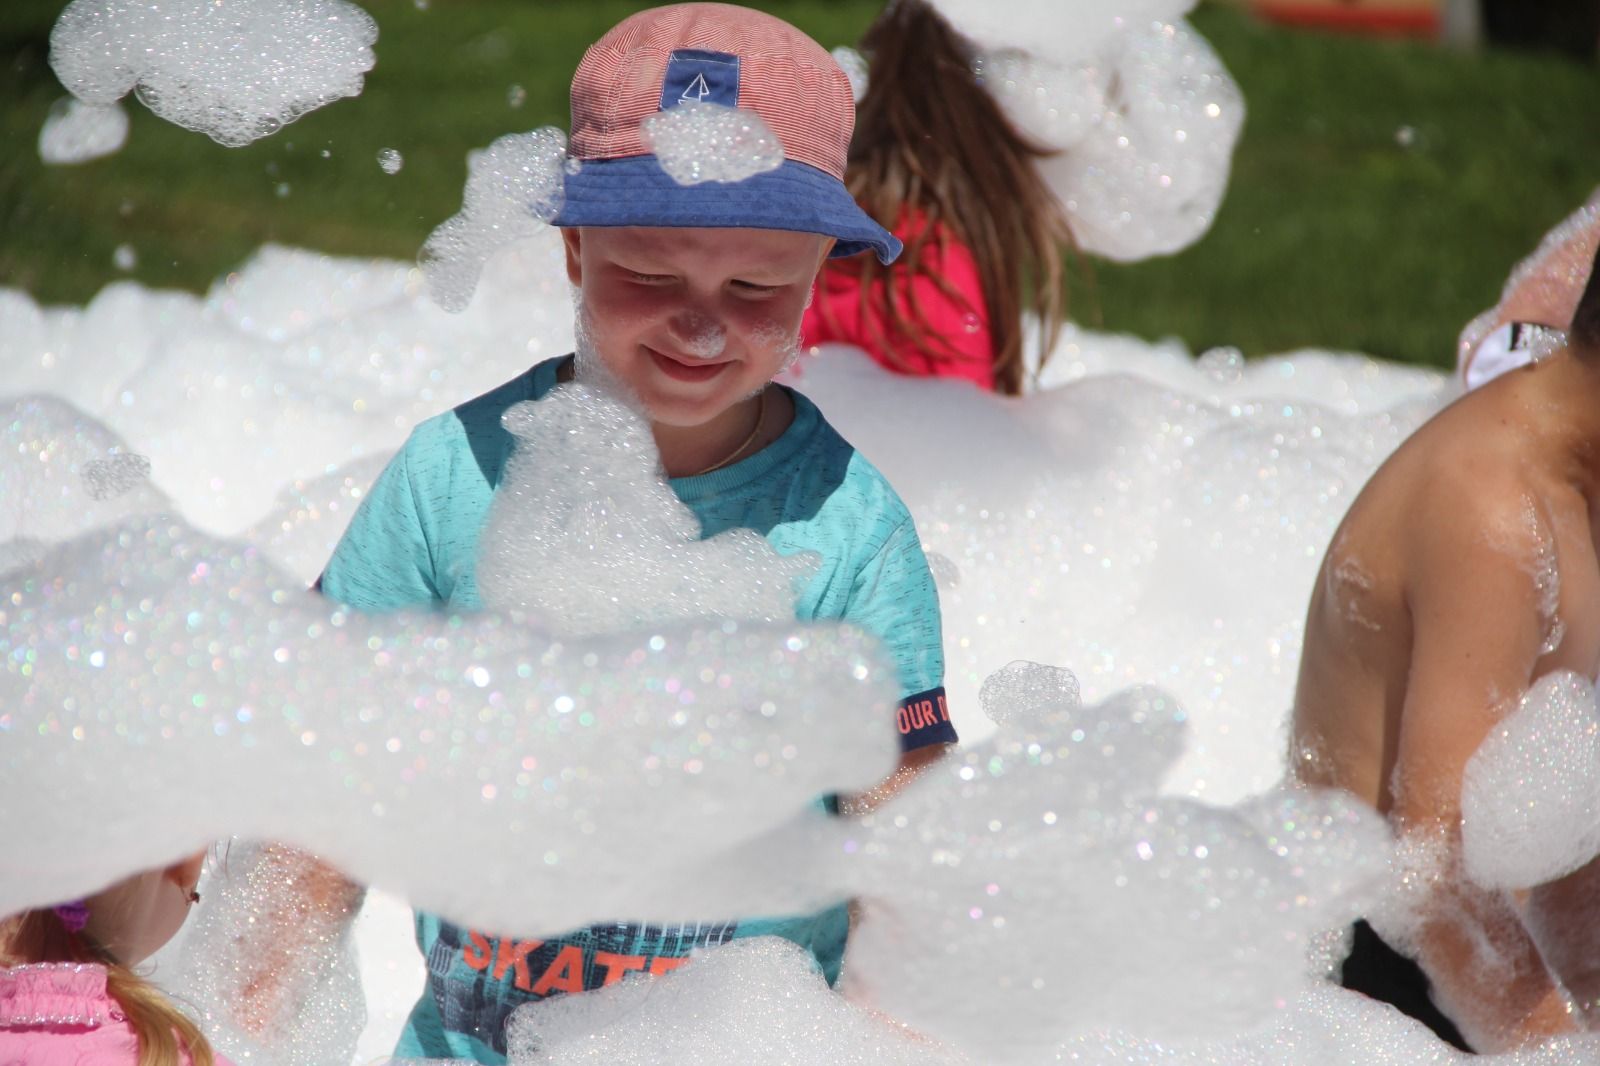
<point x="635" y="191"/>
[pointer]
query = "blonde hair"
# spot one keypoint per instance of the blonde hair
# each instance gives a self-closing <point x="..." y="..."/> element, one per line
<point x="165" y="1033"/>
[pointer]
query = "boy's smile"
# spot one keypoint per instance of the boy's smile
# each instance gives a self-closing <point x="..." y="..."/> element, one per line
<point x="694" y="321"/>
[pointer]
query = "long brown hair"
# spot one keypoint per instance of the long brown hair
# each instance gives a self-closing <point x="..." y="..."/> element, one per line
<point x="929" y="138"/>
<point x="164" y="1032"/>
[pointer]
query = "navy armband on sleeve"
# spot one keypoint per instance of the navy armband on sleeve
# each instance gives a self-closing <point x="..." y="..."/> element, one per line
<point x="924" y="719"/>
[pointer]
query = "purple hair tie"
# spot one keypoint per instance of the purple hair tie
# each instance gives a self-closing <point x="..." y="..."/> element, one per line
<point x="74" y="915"/>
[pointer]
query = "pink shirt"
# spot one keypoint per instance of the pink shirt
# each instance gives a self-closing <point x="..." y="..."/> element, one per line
<point x="958" y="325"/>
<point x="59" y="1014"/>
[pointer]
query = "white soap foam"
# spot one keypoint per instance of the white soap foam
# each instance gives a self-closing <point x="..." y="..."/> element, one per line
<point x="1050" y="843"/>
<point x="149" y="647"/>
<point x="514" y="188"/>
<point x="1149" y="177"/>
<point x="390" y="160"/>
<point x="697" y="141"/>
<point x="76" y="132"/>
<point x="295" y="366"/>
<point x="628" y="550"/>
<point x="749" y="1001"/>
<point x="1100" y="522"/>
<point x="1530" y="797"/>
<point x="1169" y="457"/>
<point x="236" y="71"/>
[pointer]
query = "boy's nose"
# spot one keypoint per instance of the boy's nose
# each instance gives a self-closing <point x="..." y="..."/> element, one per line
<point x="699" y="334"/>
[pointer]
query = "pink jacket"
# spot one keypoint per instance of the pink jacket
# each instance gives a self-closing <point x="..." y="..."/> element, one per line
<point x="59" y="1014"/>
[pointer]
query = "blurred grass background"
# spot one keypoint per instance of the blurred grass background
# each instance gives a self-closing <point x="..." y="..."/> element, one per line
<point x="1380" y="193"/>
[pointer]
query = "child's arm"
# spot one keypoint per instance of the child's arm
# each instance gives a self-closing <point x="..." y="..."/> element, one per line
<point x="912" y="764"/>
<point x="309" y="906"/>
<point x="1477" y="633"/>
<point x="382" y="562"/>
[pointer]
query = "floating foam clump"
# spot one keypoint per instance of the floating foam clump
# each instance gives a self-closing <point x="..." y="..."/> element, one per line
<point x="628" y="550"/>
<point x="387" y="741"/>
<point x="1141" y="113"/>
<point x="1530" y="797"/>
<point x="698" y="141"/>
<point x="235" y="71"/>
<point x="1150" y="177"/>
<point x="514" y="187"/>
<point x="76" y="132"/>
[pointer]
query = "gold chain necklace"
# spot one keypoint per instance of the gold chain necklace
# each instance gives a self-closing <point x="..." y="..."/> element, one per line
<point x="761" y="418"/>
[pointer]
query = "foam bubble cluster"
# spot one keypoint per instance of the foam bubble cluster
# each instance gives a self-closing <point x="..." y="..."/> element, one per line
<point x="1097" y="523"/>
<point x="346" y="354"/>
<point x="1139" y="108"/>
<point x="235" y="71"/>
<point x="704" y="1012"/>
<point x="1114" y="548"/>
<point x="145" y="647"/>
<point x="390" y="160"/>
<point x="629" y="551"/>
<point x="76" y="132"/>
<point x="1530" y="799"/>
<point x="514" y="187"/>
<point x="1050" y="842"/>
<point x="698" y="141"/>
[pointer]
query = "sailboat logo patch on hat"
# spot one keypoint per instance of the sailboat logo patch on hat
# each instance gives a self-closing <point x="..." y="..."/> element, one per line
<point x="700" y="76"/>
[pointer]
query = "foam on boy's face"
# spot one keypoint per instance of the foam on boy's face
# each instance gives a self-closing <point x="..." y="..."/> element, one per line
<point x="693" y="320"/>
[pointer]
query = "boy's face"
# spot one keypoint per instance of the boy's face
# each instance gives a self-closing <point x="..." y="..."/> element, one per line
<point x="693" y="320"/>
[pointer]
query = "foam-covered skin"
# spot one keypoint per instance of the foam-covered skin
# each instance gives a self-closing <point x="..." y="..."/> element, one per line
<point x="236" y="71"/>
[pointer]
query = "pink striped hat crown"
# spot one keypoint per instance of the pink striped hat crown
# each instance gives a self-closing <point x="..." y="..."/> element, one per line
<point x="782" y="75"/>
<point x="738" y="58"/>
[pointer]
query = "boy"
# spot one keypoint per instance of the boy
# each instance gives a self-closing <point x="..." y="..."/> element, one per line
<point x="691" y="299"/>
<point x="1467" y="568"/>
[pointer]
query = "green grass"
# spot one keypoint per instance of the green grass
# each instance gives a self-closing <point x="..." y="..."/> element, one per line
<point x="1332" y="234"/>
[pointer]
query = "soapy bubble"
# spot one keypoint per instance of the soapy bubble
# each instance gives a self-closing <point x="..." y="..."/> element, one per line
<point x="629" y="551"/>
<point x="390" y="160"/>
<point x="236" y="72"/>
<point x="1530" y="798"/>
<point x="76" y="132"/>
<point x="756" y="1000"/>
<point x="514" y="187"/>
<point x="697" y="141"/>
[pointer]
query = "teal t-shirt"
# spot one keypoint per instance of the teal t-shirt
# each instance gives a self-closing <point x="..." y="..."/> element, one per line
<point x="413" y="543"/>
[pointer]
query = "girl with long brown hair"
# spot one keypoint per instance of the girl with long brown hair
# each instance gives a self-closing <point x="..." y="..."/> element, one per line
<point x="68" y="993"/>
<point x="984" y="235"/>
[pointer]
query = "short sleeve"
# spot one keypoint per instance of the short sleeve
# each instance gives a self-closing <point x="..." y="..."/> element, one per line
<point x="894" y="598"/>
<point x="383" y="562"/>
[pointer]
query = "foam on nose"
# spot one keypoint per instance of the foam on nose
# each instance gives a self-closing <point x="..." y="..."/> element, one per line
<point x="701" y="336"/>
